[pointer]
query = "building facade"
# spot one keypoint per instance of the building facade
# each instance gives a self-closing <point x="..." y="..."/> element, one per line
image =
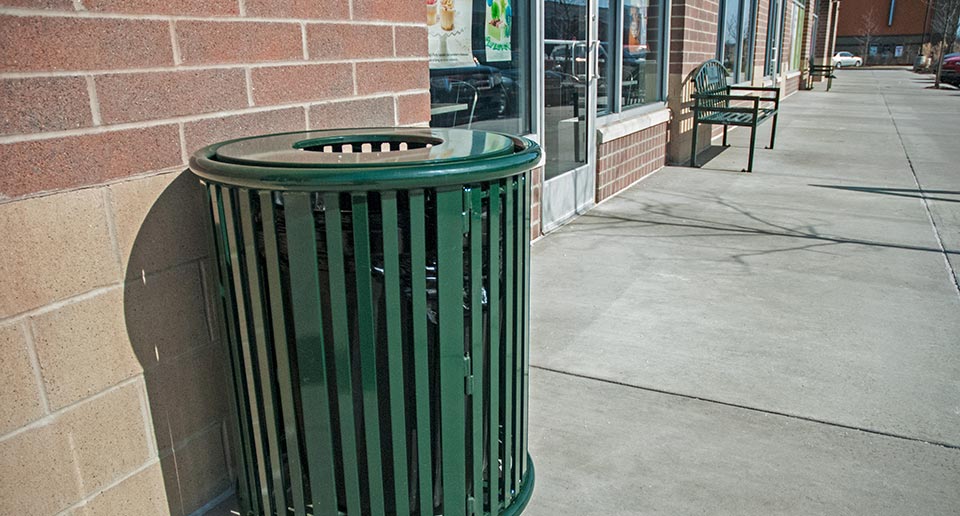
<point x="116" y="395"/>
<point x="884" y="32"/>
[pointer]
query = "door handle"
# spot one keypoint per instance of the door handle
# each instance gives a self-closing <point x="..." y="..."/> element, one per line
<point x="595" y="57"/>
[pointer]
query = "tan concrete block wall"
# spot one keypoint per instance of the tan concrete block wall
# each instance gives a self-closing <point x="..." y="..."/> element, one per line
<point x="116" y="389"/>
<point x="115" y="383"/>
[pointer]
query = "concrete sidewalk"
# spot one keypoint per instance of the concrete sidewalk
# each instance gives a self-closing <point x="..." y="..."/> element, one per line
<point x="782" y="342"/>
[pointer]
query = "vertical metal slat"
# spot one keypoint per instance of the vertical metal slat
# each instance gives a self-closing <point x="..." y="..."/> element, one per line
<point x="342" y="352"/>
<point x="247" y="482"/>
<point x="518" y="278"/>
<point x="241" y="292"/>
<point x="450" y="303"/>
<point x="418" y="287"/>
<point x="508" y="334"/>
<point x="366" y="322"/>
<point x="391" y="273"/>
<point x="526" y="319"/>
<point x="258" y="315"/>
<point x="308" y="328"/>
<point x="493" y="233"/>
<point x="476" y="341"/>
<point x="281" y="353"/>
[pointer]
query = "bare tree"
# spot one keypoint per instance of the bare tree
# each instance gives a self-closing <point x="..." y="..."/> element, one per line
<point x="869" y="27"/>
<point x="944" y="25"/>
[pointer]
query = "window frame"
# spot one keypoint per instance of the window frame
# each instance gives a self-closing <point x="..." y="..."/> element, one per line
<point x="737" y="74"/>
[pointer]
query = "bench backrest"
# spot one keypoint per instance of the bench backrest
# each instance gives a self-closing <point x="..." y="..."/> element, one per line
<point x="711" y="78"/>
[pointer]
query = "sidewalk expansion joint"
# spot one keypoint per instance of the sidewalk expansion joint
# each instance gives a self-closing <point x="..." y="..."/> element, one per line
<point x="923" y="197"/>
<point x="751" y="409"/>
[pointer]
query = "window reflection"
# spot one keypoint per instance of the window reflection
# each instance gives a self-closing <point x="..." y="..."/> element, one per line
<point x="731" y="34"/>
<point x="746" y="42"/>
<point x="480" y="68"/>
<point x="565" y="77"/>
<point x="736" y="38"/>
<point x="641" y="52"/>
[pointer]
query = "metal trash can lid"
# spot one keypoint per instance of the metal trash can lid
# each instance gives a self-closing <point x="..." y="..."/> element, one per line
<point x="372" y="158"/>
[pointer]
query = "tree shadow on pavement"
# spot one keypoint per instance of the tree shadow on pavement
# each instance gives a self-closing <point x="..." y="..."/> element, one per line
<point x="648" y="220"/>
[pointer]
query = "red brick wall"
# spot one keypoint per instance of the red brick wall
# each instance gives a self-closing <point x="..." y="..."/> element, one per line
<point x="92" y="91"/>
<point x="908" y="17"/>
<point x="825" y="30"/>
<point x="760" y="47"/>
<point x="693" y="34"/>
<point x="693" y="40"/>
<point x="791" y="85"/>
<point x="624" y="161"/>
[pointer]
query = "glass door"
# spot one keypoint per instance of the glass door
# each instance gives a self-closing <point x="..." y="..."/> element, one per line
<point x="570" y="53"/>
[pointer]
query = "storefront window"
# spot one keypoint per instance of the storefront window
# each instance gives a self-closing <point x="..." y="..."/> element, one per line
<point x="735" y="48"/>
<point x="606" y="62"/>
<point x="774" y="38"/>
<point x="798" y="21"/>
<point x="480" y="69"/>
<point x="641" y="52"/>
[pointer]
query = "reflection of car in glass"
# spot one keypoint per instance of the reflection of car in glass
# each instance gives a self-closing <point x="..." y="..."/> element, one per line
<point x="841" y="59"/>
<point x="509" y="76"/>
<point x="480" y="88"/>
<point x="566" y="69"/>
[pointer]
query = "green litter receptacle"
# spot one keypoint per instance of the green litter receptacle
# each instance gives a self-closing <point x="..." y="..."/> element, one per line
<point x="375" y="286"/>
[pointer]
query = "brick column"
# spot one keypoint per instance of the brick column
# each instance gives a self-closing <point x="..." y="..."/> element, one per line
<point x="693" y="40"/>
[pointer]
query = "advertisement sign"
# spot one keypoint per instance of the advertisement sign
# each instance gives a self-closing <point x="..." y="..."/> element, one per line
<point x="499" y="23"/>
<point x="898" y="52"/>
<point x="449" y="33"/>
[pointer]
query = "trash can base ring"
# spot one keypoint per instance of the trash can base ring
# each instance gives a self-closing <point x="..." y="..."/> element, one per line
<point x="519" y="503"/>
<point x="526" y="491"/>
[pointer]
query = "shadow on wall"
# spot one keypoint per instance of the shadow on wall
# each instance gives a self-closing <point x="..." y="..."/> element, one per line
<point x="173" y="324"/>
<point x="680" y="100"/>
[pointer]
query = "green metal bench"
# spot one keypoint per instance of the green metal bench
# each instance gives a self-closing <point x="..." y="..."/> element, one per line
<point x="825" y="71"/>
<point x="711" y="105"/>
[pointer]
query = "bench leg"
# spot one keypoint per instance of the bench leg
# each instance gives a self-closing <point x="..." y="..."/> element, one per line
<point x="829" y="81"/>
<point x="773" y="132"/>
<point x="693" y="147"/>
<point x="753" y="143"/>
<point x="725" y="136"/>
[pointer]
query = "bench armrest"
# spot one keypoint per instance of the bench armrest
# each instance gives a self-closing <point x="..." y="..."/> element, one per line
<point x="755" y="88"/>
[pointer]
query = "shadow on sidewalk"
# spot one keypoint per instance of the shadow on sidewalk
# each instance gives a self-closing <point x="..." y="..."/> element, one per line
<point x="898" y="192"/>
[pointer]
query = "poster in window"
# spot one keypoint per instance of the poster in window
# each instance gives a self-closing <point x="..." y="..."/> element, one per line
<point x="898" y="51"/>
<point x="636" y="39"/>
<point x="448" y="29"/>
<point x="499" y="23"/>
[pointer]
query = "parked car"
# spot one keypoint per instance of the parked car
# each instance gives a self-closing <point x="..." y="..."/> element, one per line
<point x="951" y="71"/>
<point x="841" y="59"/>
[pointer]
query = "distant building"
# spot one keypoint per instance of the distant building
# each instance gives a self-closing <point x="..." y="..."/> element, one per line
<point x="883" y="31"/>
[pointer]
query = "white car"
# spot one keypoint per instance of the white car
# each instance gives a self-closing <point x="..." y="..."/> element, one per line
<point x="841" y="59"/>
